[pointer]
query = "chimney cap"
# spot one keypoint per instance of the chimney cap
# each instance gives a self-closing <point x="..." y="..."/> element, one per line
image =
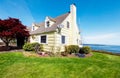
<point x="68" y="11"/>
<point x="74" y="4"/>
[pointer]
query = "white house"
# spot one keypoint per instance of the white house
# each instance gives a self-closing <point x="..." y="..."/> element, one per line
<point x="55" y="33"/>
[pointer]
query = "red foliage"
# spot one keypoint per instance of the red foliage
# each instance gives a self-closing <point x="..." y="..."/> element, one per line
<point x="12" y="28"/>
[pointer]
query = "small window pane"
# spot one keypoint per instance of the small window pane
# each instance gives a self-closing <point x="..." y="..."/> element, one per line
<point x="63" y="39"/>
<point x="68" y="25"/>
<point x="33" y="28"/>
<point x="43" y="39"/>
<point x="48" y="23"/>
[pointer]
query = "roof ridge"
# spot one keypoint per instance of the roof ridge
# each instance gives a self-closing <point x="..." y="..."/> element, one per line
<point x="52" y="19"/>
<point x="61" y="15"/>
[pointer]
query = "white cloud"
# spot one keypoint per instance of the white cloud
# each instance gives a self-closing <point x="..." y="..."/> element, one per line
<point x="111" y="39"/>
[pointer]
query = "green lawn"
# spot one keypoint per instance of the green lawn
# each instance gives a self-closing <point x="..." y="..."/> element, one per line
<point x="15" y="65"/>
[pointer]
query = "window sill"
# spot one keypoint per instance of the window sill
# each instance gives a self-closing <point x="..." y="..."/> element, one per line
<point x="44" y="43"/>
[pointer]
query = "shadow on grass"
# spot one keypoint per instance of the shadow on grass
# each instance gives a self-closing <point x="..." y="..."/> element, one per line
<point x="10" y="48"/>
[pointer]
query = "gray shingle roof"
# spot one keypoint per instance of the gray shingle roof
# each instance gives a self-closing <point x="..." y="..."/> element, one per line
<point x="29" y="29"/>
<point x="58" y="20"/>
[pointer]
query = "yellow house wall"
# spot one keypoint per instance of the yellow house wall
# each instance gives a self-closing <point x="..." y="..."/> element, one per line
<point x="71" y="34"/>
<point x="65" y="32"/>
<point x="50" y="46"/>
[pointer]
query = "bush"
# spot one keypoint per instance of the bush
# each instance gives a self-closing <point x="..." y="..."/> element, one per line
<point x="72" y="49"/>
<point x="85" y="50"/>
<point x="41" y="47"/>
<point x="28" y="47"/>
<point x="33" y="47"/>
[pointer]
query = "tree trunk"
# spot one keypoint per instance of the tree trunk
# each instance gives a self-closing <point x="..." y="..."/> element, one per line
<point x="20" y="42"/>
<point x="6" y="41"/>
<point x="6" y="44"/>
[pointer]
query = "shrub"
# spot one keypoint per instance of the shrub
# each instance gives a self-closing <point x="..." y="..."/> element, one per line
<point x="33" y="47"/>
<point x="28" y="47"/>
<point x="41" y="47"/>
<point x="66" y="51"/>
<point x="72" y="49"/>
<point x="85" y="50"/>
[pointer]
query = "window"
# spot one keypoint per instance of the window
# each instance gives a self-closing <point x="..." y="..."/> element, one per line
<point x="43" y="39"/>
<point x="68" y="24"/>
<point x="77" y="41"/>
<point x="63" y="39"/>
<point x="48" y="23"/>
<point x="33" y="28"/>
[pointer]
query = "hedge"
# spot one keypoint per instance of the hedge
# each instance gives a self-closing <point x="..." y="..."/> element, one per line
<point x="33" y="47"/>
<point x="72" y="49"/>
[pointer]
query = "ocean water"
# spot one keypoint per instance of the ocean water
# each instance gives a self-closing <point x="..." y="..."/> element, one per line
<point x="108" y="48"/>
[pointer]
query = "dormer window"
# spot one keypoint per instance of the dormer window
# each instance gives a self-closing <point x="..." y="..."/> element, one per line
<point x="48" y="24"/>
<point x="68" y="24"/>
<point x="33" y="28"/>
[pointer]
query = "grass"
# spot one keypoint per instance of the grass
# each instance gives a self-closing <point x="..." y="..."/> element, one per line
<point x="15" y="65"/>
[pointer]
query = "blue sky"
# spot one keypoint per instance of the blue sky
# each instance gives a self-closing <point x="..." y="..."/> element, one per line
<point x="98" y="20"/>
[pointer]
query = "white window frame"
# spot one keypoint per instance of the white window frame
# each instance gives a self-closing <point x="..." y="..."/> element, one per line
<point x="47" y="23"/>
<point x="46" y="39"/>
<point x="68" y="24"/>
<point x="33" y="28"/>
<point x="61" y="39"/>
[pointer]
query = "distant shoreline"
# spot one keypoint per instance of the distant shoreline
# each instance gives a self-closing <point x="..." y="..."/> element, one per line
<point x="114" y="49"/>
<point x="101" y="44"/>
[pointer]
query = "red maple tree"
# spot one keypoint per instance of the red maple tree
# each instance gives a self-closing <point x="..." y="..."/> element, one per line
<point x="12" y="28"/>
